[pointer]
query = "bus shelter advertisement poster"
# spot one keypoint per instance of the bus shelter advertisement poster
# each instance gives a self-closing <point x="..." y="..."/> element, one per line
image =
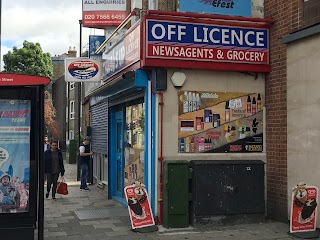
<point x="14" y="155"/>
<point x="220" y="122"/>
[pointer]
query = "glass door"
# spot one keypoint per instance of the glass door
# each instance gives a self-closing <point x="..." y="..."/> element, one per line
<point x="119" y="154"/>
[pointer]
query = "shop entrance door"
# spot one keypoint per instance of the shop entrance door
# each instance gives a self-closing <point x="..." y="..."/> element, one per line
<point x="119" y="155"/>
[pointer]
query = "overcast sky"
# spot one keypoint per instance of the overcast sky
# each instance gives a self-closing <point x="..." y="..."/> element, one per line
<point x="52" y="23"/>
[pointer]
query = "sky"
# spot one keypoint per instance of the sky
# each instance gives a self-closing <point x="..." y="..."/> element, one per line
<point x="52" y="23"/>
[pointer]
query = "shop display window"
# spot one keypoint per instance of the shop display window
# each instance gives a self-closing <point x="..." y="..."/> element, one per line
<point x="134" y="144"/>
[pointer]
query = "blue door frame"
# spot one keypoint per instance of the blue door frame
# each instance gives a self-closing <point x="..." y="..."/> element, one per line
<point x="141" y="81"/>
<point x="116" y="154"/>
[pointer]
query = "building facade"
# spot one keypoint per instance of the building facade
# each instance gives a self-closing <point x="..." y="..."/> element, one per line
<point x="216" y="114"/>
<point x="140" y="119"/>
<point x="64" y="99"/>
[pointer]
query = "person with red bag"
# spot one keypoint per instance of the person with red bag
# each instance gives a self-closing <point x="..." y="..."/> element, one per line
<point x="53" y="167"/>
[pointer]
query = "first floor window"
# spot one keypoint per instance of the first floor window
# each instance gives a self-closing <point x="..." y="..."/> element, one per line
<point x="72" y="112"/>
<point x="71" y="135"/>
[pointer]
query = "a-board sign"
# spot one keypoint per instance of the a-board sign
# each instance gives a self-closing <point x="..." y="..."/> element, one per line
<point x="303" y="208"/>
<point x="139" y="205"/>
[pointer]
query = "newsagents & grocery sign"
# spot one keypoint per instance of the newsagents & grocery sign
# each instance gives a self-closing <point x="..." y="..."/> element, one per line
<point x="178" y="40"/>
<point x="183" y="42"/>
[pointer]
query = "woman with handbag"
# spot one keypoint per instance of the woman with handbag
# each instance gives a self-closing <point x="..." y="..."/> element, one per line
<point x="53" y="167"/>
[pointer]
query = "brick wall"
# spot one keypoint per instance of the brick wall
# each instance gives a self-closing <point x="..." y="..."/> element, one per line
<point x="287" y="17"/>
<point x="58" y="69"/>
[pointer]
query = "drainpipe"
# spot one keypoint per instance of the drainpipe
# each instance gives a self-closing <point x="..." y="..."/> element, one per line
<point x="160" y="158"/>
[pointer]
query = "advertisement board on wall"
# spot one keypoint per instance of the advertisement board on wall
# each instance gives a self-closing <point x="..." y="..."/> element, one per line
<point x="103" y="13"/>
<point x="303" y="208"/>
<point x="125" y="53"/>
<point x="219" y="122"/>
<point x="206" y="42"/>
<point x="15" y="120"/>
<point x="224" y="7"/>
<point x="94" y="43"/>
<point x="82" y="70"/>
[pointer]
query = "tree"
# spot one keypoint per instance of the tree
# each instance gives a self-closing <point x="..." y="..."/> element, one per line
<point x="49" y="116"/>
<point x="30" y="59"/>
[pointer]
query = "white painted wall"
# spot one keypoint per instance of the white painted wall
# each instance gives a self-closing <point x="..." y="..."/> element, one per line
<point x="303" y="103"/>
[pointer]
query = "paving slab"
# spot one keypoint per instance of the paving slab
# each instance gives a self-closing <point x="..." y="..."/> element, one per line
<point x="111" y="220"/>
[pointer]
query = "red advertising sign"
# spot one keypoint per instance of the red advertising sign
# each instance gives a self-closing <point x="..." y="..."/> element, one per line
<point x="139" y="206"/>
<point x="102" y="18"/>
<point x="103" y="13"/>
<point x="204" y="42"/>
<point x="303" y="208"/>
<point x="123" y="54"/>
<point x="7" y="79"/>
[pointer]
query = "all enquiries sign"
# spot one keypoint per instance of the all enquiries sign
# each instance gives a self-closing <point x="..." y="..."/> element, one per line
<point x="188" y="41"/>
<point x="101" y="13"/>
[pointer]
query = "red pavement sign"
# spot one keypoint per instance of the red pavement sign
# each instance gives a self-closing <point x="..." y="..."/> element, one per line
<point x="303" y="208"/>
<point x="139" y="206"/>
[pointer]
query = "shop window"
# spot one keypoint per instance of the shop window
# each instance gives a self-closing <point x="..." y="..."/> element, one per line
<point x="134" y="143"/>
<point x="67" y="117"/>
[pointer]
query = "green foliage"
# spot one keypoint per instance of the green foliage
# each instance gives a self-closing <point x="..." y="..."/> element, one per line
<point x="30" y="60"/>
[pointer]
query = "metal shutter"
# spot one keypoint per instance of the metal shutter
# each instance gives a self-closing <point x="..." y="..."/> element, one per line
<point x="99" y="128"/>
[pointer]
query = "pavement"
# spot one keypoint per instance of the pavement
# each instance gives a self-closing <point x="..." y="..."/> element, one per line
<point x="91" y="215"/>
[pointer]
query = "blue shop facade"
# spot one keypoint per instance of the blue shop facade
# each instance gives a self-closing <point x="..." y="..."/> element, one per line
<point x="173" y="88"/>
<point x="127" y="105"/>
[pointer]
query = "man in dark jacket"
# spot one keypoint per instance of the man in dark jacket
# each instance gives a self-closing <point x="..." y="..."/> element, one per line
<point x="84" y="159"/>
<point x="53" y="167"/>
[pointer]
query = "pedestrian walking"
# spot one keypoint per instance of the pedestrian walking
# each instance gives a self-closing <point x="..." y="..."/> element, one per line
<point x="46" y="143"/>
<point x="84" y="159"/>
<point x="53" y="167"/>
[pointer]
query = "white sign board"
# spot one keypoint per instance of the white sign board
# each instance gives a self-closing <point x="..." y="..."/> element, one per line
<point x="82" y="70"/>
<point x="104" y="5"/>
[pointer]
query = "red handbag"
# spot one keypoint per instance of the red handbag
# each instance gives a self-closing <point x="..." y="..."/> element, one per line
<point x="62" y="187"/>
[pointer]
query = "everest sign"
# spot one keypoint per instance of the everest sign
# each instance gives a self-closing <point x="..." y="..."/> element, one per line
<point x="206" y="42"/>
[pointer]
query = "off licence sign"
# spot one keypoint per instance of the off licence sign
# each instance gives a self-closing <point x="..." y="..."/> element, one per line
<point x="204" y="42"/>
